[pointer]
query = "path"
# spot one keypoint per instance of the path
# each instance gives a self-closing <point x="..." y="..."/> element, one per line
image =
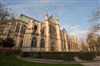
<point x="89" y="63"/>
<point x="97" y="63"/>
<point x="78" y="61"/>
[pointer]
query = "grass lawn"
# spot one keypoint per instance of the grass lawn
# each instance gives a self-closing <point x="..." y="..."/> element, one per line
<point x="11" y="60"/>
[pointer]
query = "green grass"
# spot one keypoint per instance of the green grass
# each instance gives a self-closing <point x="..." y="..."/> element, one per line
<point x="11" y="60"/>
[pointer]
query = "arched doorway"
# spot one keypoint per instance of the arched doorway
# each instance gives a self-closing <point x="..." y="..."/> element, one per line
<point x="53" y="46"/>
<point x="21" y="43"/>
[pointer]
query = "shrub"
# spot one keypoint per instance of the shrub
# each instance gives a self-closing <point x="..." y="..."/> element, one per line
<point x="46" y="55"/>
<point x="1" y="41"/>
<point x="86" y="55"/>
<point x="66" y="56"/>
<point x="7" y="51"/>
<point x="34" y="55"/>
<point x="9" y="42"/>
<point x="3" y="51"/>
<point x="52" y="55"/>
<point x="24" y="54"/>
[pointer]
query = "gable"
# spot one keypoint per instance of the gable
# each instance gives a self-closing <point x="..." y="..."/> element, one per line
<point x="24" y="18"/>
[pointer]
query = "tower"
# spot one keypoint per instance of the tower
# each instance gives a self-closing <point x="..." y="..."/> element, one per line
<point x="46" y="15"/>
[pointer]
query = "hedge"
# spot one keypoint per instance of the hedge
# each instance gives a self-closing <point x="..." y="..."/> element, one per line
<point x="86" y="55"/>
<point x="66" y="56"/>
<point x="7" y="51"/>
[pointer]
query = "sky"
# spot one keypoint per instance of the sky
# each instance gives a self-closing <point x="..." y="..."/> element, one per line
<point x="73" y="15"/>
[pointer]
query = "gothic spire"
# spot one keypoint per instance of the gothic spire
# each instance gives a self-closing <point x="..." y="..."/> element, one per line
<point x="46" y="15"/>
<point x="57" y="19"/>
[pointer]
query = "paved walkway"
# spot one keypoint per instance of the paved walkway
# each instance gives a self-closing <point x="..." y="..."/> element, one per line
<point x="47" y="61"/>
<point x="97" y="63"/>
<point x="85" y="63"/>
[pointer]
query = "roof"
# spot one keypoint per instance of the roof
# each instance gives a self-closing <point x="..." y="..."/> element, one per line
<point x="25" y="18"/>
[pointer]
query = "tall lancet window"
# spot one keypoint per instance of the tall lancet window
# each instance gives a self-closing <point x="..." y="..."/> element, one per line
<point x="52" y="46"/>
<point x="64" y="45"/>
<point x="18" y="28"/>
<point x="34" y="42"/>
<point x="42" y="43"/>
<point x="23" y="29"/>
<point x="52" y="31"/>
<point x="35" y="29"/>
<point x="42" y="31"/>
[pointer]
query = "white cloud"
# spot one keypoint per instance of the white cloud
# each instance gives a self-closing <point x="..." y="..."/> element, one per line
<point x="28" y="4"/>
<point x="72" y="28"/>
<point x="81" y="36"/>
<point x="37" y="8"/>
<point x="77" y="32"/>
<point x="67" y="26"/>
<point x="75" y="27"/>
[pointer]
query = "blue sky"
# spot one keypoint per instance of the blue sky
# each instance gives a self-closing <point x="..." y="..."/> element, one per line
<point x="72" y="14"/>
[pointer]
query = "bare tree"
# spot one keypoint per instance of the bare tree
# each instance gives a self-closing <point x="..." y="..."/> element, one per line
<point x="98" y="44"/>
<point x="4" y="14"/>
<point x="95" y="22"/>
<point x="6" y="19"/>
<point x="94" y="31"/>
<point x="91" y="40"/>
<point x="84" y="47"/>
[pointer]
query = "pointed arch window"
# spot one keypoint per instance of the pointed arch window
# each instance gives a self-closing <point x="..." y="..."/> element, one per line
<point x="34" y="42"/>
<point x="52" y="46"/>
<point x="21" y="43"/>
<point x="52" y="30"/>
<point x="35" y="29"/>
<point x="17" y="28"/>
<point x="64" y="45"/>
<point x="23" y="29"/>
<point x="42" y="31"/>
<point x="42" y="43"/>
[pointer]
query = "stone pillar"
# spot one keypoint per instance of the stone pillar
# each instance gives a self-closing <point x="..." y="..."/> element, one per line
<point x="38" y="36"/>
<point x="58" y="42"/>
<point x="18" y="37"/>
<point x="47" y="39"/>
<point x="28" y="37"/>
<point x="66" y="40"/>
<point x="46" y="32"/>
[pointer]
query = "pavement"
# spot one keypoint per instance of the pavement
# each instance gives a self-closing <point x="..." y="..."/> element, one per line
<point x="77" y="61"/>
<point x="97" y="63"/>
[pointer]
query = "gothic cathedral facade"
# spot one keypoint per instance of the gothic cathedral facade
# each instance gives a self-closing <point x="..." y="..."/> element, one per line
<point x="36" y="36"/>
<point x="45" y="36"/>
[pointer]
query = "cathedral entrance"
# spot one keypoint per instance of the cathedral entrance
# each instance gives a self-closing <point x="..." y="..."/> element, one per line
<point x="53" y="46"/>
<point x="21" y="43"/>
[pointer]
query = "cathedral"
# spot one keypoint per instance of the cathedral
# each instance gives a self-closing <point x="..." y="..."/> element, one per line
<point x="32" y="35"/>
<point x="44" y="36"/>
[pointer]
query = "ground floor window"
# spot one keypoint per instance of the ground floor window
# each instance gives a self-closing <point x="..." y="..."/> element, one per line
<point x="42" y="44"/>
<point x="34" y="42"/>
